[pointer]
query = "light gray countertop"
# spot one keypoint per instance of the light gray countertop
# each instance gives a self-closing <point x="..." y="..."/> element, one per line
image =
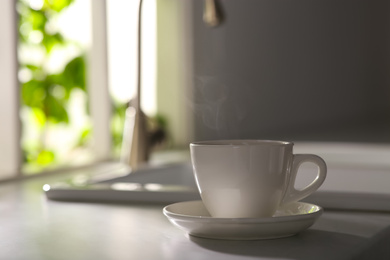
<point x="33" y="227"/>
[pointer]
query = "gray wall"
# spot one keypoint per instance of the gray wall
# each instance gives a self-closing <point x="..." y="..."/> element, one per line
<point x="293" y="69"/>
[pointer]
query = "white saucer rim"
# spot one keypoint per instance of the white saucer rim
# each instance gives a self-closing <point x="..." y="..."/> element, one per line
<point x="274" y="219"/>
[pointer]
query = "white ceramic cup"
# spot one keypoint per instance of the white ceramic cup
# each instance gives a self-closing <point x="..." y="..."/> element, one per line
<point x="250" y="178"/>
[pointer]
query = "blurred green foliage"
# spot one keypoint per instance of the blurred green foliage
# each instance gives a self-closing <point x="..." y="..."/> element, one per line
<point x="117" y="125"/>
<point x="47" y="94"/>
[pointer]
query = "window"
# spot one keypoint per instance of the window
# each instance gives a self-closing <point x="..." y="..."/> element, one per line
<point x="49" y="51"/>
<point x="105" y="66"/>
<point x="52" y="55"/>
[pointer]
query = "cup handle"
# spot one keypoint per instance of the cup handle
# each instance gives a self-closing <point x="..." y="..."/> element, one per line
<point x="293" y="194"/>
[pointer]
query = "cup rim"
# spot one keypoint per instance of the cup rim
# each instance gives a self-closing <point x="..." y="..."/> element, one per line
<point x="241" y="142"/>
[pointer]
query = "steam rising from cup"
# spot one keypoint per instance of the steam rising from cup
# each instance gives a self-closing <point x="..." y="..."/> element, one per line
<point x="217" y="107"/>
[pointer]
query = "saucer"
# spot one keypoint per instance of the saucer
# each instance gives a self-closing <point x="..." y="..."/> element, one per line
<point x="290" y="219"/>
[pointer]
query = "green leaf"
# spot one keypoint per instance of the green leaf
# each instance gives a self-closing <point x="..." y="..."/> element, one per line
<point x="37" y="19"/>
<point x="45" y="157"/>
<point x="58" y="5"/>
<point x="84" y="137"/>
<point x="74" y="74"/>
<point x="32" y="67"/>
<point x="39" y="116"/>
<point x="33" y="93"/>
<point x="55" y="110"/>
<point x="161" y="121"/>
<point x="49" y="41"/>
<point x="57" y="81"/>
